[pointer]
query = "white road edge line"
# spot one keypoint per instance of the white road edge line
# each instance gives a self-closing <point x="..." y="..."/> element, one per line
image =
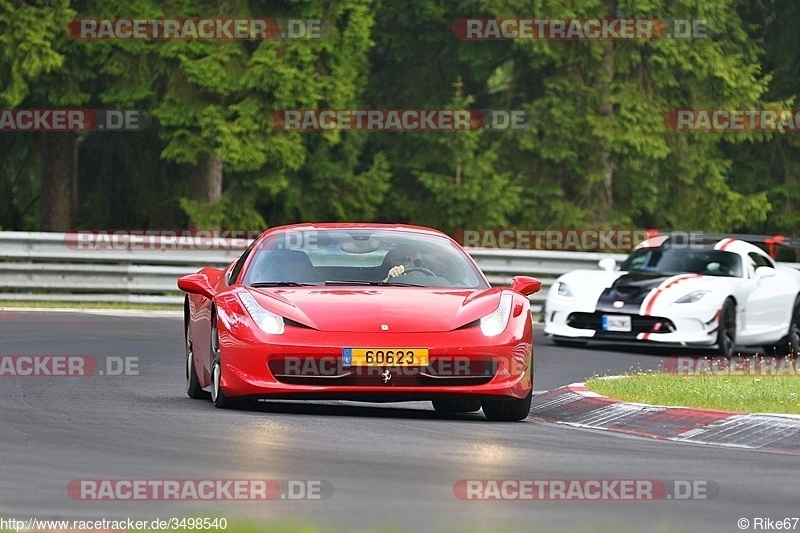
<point x="106" y="312"/>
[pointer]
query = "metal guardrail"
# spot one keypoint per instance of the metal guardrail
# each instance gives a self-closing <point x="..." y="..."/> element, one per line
<point x="501" y="265"/>
<point x="63" y="248"/>
<point x="47" y="266"/>
<point x="53" y="267"/>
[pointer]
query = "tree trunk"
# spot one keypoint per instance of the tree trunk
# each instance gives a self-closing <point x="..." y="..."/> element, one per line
<point x="206" y="182"/>
<point x="58" y="175"/>
<point x="607" y="111"/>
<point x="207" y="179"/>
<point x="607" y="202"/>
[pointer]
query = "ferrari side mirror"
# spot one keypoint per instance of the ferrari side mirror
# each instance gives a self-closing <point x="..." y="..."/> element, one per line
<point x="525" y="285"/>
<point x="196" y="284"/>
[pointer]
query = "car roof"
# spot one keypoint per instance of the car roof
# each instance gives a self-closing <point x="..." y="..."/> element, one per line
<point x="727" y="244"/>
<point x="330" y="226"/>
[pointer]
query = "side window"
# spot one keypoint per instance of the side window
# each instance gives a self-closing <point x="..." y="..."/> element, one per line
<point x="639" y="260"/>
<point x="234" y="273"/>
<point x="758" y="260"/>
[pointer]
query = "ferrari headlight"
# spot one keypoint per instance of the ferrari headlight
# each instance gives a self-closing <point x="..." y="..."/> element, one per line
<point x="561" y="291"/>
<point x="495" y="323"/>
<point x="268" y="322"/>
<point x="695" y="297"/>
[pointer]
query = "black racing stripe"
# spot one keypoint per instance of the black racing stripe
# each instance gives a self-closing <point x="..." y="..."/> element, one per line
<point x="631" y="289"/>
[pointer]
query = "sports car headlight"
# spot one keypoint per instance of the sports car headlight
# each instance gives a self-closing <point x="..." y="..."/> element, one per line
<point x="695" y="297"/>
<point x="268" y="322"/>
<point x="495" y="323"/>
<point x="561" y="291"/>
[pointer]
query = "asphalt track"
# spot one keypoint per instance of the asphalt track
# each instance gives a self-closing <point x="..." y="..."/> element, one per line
<point x="391" y="466"/>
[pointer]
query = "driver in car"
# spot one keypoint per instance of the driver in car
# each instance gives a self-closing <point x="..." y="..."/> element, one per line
<point x="399" y="266"/>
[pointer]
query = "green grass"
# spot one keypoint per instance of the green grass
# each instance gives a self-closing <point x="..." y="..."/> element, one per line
<point x="88" y="305"/>
<point x="748" y="394"/>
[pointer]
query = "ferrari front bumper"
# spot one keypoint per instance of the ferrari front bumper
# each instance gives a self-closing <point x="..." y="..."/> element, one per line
<point x="303" y="364"/>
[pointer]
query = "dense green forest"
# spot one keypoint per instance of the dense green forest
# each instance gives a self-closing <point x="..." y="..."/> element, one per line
<point x="596" y="152"/>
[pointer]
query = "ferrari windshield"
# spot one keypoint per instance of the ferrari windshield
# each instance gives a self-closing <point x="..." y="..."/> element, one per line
<point x="361" y="257"/>
<point x="678" y="261"/>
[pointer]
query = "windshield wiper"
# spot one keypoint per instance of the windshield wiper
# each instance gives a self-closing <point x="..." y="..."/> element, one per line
<point x="352" y="282"/>
<point x="371" y="283"/>
<point x="281" y="284"/>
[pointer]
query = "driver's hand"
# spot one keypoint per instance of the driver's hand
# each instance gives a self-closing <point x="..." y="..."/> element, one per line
<point x="395" y="272"/>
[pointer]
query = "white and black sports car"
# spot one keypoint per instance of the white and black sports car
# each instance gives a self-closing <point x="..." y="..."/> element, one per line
<point x="719" y="294"/>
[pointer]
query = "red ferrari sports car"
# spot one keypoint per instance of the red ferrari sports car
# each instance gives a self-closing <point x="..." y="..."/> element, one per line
<point x="367" y="312"/>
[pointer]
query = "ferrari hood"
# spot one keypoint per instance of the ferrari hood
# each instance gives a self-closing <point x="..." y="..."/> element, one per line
<point x="370" y="309"/>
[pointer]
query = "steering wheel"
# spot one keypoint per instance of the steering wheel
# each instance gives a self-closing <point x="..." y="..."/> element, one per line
<point x="419" y="269"/>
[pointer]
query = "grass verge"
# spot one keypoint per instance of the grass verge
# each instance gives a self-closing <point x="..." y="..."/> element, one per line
<point x="748" y="394"/>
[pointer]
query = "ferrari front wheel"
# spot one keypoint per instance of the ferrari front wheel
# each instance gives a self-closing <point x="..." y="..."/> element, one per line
<point x="508" y="410"/>
<point x="218" y="397"/>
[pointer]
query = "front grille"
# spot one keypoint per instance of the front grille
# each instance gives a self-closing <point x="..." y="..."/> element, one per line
<point x="639" y="324"/>
<point x="439" y="372"/>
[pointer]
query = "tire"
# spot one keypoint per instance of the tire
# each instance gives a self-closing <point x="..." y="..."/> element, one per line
<point x="726" y="334"/>
<point x="790" y="344"/>
<point x="218" y="397"/>
<point x="193" y="388"/>
<point x="448" y="406"/>
<point x="507" y="410"/>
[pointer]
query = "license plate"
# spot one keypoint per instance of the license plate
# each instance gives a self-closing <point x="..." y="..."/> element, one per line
<point x="385" y="357"/>
<point x="616" y="323"/>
